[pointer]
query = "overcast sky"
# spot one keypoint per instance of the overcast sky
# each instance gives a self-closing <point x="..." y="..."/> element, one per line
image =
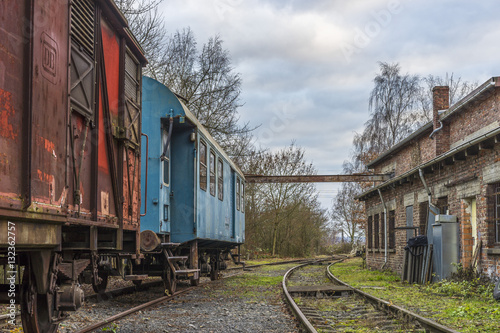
<point x="307" y="66"/>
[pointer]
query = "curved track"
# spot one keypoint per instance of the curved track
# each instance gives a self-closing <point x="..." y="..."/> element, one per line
<point x="158" y="300"/>
<point x="323" y="303"/>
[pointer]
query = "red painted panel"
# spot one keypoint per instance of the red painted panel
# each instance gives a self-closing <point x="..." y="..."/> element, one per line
<point x="111" y="47"/>
<point x="12" y="101"/>
<point x="50" y="101"/>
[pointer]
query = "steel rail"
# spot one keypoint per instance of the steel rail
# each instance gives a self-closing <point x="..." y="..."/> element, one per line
<point x="427" y="323"/>
<point x="124" y="290"/>
<point x="271" y="264"/>
<point x="116" y="292"/>
<point x="295" y="308"/>
<point x="138" y="308"/>
<point x="133" y="310"/>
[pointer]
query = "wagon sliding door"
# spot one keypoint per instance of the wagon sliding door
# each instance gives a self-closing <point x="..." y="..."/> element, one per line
<point x="45" y="177"/>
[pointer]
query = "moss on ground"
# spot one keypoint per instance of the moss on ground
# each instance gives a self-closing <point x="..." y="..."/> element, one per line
<point x="466" y="306"/>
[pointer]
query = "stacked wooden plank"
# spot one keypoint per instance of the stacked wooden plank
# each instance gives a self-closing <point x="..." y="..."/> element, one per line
<point x="417" y="264"/>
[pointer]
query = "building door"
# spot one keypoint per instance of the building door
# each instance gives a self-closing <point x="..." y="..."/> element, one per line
<point x="473" y="223"/>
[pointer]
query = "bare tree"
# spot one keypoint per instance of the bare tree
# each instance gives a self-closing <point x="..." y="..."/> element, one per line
<point x="399" y="104"/>
<point x="458" y="90"/>
<point x="347" y="213"/>
<point x="391" y="104"/>
<point x="204" y="78"/>
<point x="277" y="213"/>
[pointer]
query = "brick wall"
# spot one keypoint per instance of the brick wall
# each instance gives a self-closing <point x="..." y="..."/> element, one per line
<point x="454" y="183"/>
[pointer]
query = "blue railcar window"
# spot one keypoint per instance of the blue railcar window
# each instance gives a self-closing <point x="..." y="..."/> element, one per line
<point x="212" y="173"/>
<point x="220" y="184"/>
<point x="165" y="213"/>
<point x="203" y="165"/>
<point x="242" y="200"/>
<point x="237" y="193"/>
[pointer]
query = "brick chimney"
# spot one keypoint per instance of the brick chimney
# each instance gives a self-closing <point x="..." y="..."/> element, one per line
<point x="440" y="101"/>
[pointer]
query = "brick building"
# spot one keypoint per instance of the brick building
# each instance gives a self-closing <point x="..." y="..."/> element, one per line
<point x="453" y="163"/>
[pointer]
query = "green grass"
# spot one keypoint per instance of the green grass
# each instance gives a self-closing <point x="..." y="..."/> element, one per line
<point x="250" y="280"/>
<point x="466" y="306"/>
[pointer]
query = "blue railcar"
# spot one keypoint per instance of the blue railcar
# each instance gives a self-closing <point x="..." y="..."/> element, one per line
<point x="193" y="203"/>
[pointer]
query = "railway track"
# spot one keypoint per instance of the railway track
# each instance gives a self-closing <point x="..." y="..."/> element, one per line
<point x="323" y="303"/>
<point x="158" y="300"/>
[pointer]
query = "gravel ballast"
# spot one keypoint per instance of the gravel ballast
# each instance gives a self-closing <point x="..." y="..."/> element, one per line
<point x="232" y="304"/>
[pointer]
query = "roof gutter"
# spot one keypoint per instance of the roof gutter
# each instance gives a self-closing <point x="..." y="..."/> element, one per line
<point x="448" y="154"/>
<point x="492" y="82"/>
<point x="473" y="95"/>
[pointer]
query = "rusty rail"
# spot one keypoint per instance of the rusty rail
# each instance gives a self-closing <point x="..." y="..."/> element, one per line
<point x="262" y="179"/>
<point x="429" y="324"/>
<point x="295" y="308"/>
<point x="132" y="310"/>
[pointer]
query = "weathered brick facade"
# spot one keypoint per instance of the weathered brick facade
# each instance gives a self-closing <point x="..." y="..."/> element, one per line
<point x="461" y="166"/>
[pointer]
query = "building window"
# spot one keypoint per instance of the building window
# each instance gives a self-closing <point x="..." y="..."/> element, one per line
<point x="203" y="165"/>
<point x="369" y="233"/>
<point x="376" y="231"/>
<point x="442" y="204"/>
<point x="495" y="207"/>
<point x="237" y="193"/>
<point x="212" y="173"/>
<point x="242" y="201"/>
<point x="220" y="175"/>
<point x="391" y="226"/>
<point x="409" y="222"/>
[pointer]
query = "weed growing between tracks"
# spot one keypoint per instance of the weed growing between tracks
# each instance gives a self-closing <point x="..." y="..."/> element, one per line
<point x="262" y="284"/>
<point x="467" y="306"/>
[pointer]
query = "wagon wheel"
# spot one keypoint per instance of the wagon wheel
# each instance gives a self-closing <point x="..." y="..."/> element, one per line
<point x="101" y="286"/>
<point x="169" y="280"/>
<point x="37" y="310"/>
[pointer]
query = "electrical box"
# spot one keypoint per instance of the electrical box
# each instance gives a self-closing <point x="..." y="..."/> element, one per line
<point x="446" y="252"/>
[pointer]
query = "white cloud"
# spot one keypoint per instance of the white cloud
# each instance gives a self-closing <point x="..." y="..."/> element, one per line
<point x="292" y="57"/>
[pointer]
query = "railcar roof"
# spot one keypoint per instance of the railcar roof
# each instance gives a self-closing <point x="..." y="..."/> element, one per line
<point x="168" y="97"/>
<point x="203" y="130"/>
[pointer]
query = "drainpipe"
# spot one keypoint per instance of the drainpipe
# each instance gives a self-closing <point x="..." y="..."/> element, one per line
<point x="385" y="228"/>
<point x="429" y="195"/>
<point x="436" y="130"/>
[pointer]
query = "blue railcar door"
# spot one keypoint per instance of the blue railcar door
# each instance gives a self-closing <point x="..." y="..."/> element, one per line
<point x="165" y="185"/>
<point x="232" y="204"/>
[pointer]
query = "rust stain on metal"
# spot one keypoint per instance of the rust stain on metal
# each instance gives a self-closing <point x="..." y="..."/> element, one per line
<point x="4" y="164"/>
<point x="260" y="179"/>
<point x="47" y="144"/>
<point x="45" y="177"/>
<point x="6" y="112"/>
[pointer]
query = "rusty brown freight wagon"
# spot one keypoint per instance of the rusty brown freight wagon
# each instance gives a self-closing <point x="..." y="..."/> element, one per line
<point x="70" y="133"/>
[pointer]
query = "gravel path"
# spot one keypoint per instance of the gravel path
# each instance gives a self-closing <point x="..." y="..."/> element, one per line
<point x="230" y="305"/>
